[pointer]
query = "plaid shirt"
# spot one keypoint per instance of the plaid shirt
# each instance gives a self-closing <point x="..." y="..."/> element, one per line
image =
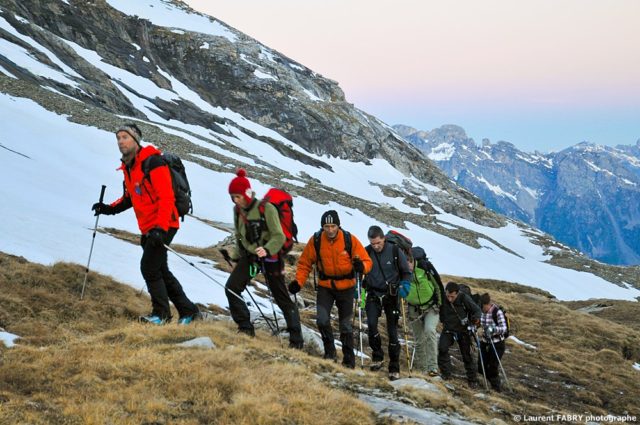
<point x="500" y="327"/>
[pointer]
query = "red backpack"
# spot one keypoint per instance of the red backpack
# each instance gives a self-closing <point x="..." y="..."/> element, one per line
<point x="284" y="204"/>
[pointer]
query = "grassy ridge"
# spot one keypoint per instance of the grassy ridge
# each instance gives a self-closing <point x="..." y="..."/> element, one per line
<point x="90" y="362"/>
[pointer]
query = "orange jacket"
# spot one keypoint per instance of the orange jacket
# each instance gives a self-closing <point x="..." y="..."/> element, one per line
<point x="335" y="260"/>
<point x="152" y="199"/>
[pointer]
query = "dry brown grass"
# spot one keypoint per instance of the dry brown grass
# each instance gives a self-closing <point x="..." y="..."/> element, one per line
<point x="88" y="363"/>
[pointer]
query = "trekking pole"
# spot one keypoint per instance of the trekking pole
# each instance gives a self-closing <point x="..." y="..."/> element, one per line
<point x="268" y="321"/>
<point x="413" y="355"/>
<point x="506" y="380"/>
<point x="201" y="271"/>
<point x="472" y="329"/>
<point x="406" y="335"/>
<point x="93" y="239"/>
<point x="252" y="299"/>
<point x="266" y="281"/>
<point x="359" y="287"/>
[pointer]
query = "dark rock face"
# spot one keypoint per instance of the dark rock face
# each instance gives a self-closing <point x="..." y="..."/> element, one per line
<point x="292" y="99"/>
<point x="235" y="73"/>
<point x="585" y="196"/>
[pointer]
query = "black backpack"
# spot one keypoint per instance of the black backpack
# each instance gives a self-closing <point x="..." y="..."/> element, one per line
<point x="179" y="181"/>
<point x="422" y="261"/>
<point x="403" y="242"/>
<point x="506" y="319"/>
<point x="467" y="290"/>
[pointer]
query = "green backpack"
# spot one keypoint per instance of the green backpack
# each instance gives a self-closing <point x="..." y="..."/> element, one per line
<point x="424" y="289"/>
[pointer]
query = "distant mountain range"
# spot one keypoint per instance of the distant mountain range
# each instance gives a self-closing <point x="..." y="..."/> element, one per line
<point x="586" y="196"/>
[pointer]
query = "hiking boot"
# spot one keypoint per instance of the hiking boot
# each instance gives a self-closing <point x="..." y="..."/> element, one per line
<point x="350" y="365"/>
<point x="376" y="365"/>
<point x="433" y="373"/>
<point x="152" y="319"/>
<point x="445" y="376"/>
<point x="249" y="331"/>
<point x="394" y="376"/>
<point x="298" y="345"/>
<point x="186" y="320"/>
<point x="473" y="384"/>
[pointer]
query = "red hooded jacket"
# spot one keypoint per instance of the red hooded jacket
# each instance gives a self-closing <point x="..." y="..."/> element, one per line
<point x="152" y="199"/>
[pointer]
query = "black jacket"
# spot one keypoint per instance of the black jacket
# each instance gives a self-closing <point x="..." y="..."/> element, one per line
<point x="451" y="315"/>
<point x="387" y="269"/>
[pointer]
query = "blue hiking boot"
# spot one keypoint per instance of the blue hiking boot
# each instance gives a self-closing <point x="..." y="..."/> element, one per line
<point x="185" y="320"/>
<point x="153" y="319"/>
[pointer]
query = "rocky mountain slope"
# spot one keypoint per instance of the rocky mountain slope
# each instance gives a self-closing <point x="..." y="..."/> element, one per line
<point x="586" y="196"/>
<point x="223" y="100"/>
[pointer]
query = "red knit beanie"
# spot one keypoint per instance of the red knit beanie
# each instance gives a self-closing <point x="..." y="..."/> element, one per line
<point x="240" y="185"/>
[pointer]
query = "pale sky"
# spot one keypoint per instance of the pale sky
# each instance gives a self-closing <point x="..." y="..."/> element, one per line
<point x="542" y="74"/>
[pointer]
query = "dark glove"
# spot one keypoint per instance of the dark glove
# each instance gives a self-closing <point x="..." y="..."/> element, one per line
<point x="156" y="236"/>
<point x="102" y="208"/>
<point x="489" y="330"/>
<point x="226" y="256"/>
<point x="358" y="265"/>
<point x="404" y="288"/>
<point x="294" y="287"/>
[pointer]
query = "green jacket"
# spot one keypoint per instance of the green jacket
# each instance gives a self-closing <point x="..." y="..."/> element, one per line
<point x="422" y="289"/>
<point x="271" y="235"/>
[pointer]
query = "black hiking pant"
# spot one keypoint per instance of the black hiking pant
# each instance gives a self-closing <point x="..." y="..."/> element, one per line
<point x="374" y="307"/>
<point x="325" y="299"/>
<point x="491" y="364"/>
<point x="447" y="338"/>
<point x="161" y="283"/>
<point x="274" y="277"/>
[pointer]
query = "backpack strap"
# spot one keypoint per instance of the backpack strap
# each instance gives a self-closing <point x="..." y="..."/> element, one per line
<point x="148" y="165"/>
<point x="348" y="244"/>
<point x="317" y="237"/>
<point x="151" y="163"/>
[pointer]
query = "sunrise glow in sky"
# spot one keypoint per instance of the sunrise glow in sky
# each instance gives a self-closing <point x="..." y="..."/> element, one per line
<point x="542" y="74"/>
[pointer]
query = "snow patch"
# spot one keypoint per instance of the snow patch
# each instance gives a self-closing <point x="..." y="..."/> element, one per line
<point x="312" y="95"/>
<point x="442" y="152"/>
<point x="8" y="339"/>
<point x="524" y="344"/>
<point x="21" y="19"/>
<point x="164" y="14"/>
<point x="496" y="189"/>
<point x="266" y="55"/>
<point x="264" y="75"/>
<point x="294" y="66"/>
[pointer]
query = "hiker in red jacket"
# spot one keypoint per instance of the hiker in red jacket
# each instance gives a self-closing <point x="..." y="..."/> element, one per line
<point x="153" y="202"/>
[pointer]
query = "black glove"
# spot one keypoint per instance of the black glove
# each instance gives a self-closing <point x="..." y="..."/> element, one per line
<point x="102" y="208"/>
<point x="294" y="287"/>
<point x="358" y="265"/>
<point x="156" y="236"/>
<point x="226" y="256"/>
